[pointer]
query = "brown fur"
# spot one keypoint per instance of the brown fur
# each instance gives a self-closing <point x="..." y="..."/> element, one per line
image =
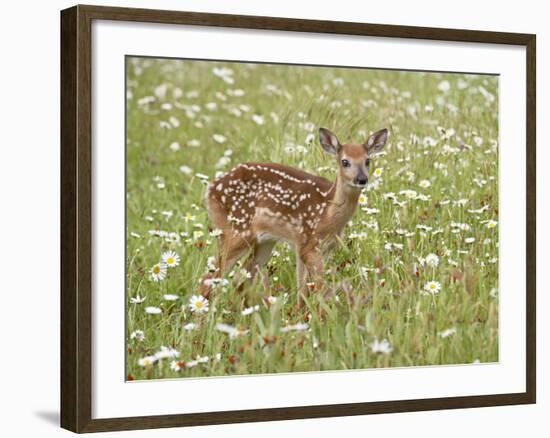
<point x="257" y="204"/>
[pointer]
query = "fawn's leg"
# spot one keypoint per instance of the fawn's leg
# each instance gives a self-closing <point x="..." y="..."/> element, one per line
<point x="311" y="258"/>
<point x="259" y="256"/>
<point x="232" y="248"/>
<point x="301" y="274"/>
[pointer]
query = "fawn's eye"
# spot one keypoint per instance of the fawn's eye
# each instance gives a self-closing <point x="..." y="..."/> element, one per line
<point x="367" y="163"/>
<point x="345" y="163"/>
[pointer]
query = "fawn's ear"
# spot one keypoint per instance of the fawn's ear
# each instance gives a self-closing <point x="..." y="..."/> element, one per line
<point x="376" y="141"/>
<point x="329" y="141"/>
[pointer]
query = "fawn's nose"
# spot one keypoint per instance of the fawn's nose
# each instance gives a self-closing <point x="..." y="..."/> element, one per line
<point x="361" y="180"/>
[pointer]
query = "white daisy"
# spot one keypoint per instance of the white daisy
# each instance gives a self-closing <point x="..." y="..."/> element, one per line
<point x="301" y="326"/>
<point x="424" y="183"/>
<point x="448" y="332"/>
<point x="258" y="119"/>
<point x="177" y="365"/>
<point x="137" y="299"/>
<point x="363" y="199"/>
<point x="432" y="260"/>
<point x="198" y="234"/>
<point x="138" y="335"/>
<point x="151" y="310"/>
<point x="378" y="171"/>
<point x="491" y="224"/>
<point x="171" y="259"/>
<point x="166" y="352"/>
<point x="233" y="332"/>
<point x="147" y="361"/>
<point x="203" y="359"/>
<point x="198" y="304"/>
<point x="382" y="346"/>
<point x="170" y="297"/>
<point x="190" y="326"/>
<point x="470" y="239"/>
<point x="250" y="310"/>
<point x="186" y="170"/>
<point x="216" y="232"/>
<point x="158" y="272"/>
<point x="432" y="287"/>
<point x="444" y="86"/>
<point x="218" y="138"/>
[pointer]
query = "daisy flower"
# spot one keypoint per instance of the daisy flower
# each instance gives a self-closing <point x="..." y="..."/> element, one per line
<point x="432" y="287"/>
<point x="177" y="365"/>
<point x="492" y="224"/>
<point x="198" y="234"/>
<point x="158" y="272"/>
<point x="470" y="239"/>
<point x="166" y="353"/>
<point x="382" y="346"/>
<point x="137" y="299"/>
<point x="198" y="304"/>
<point x="147" y="361"/>
<point x="151" y="310"/>
<point x="378" y="171"/>
<point x="448" y="332"/>
<point x="432" y="260"/>
<point x="363" y="199"/>
<point x="170" y="259"/>
<point x="189" y="217"/>
<point x="250" y="310"/>
<point x="444" y="86"/>
<point x="190" y="326"/>
<point x="186" y="170"/>
<point x="233" y="332"/>
<point x="301" y="326"/>
<point x="138" y="335"/>
<point x="202" y="176"/>
<point x="218" y="138"/>
<point x="170" y="297"/>
<point x="216" y="232"/>
<point x="259" y="120"/>
<point x="424" y="183"/>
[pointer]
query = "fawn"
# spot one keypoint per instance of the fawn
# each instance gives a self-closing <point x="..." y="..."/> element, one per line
<point x="257" y="204"/>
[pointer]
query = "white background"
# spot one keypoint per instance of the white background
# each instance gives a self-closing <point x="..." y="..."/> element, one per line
<point x="29" y="172"/>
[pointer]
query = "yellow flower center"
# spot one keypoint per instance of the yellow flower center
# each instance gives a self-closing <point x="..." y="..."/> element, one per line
<point x="170" y="260"/>
<point x="198" y="304"/>
<point x="156" y="269"/>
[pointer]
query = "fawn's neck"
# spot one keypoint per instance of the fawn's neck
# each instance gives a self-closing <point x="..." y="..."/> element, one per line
<point x="342" y="204"/>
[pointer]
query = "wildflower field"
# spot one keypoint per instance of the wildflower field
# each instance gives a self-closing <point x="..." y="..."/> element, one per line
<point x="414" y="280"/>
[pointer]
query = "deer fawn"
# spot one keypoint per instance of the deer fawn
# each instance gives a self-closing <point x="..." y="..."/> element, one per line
<point x="257" y="204"/>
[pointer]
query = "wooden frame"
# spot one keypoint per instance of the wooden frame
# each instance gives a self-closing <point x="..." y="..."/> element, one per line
<point x="76" y="237"/>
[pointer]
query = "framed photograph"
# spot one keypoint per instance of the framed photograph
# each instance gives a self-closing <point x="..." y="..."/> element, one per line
<point x="271" y="218"/>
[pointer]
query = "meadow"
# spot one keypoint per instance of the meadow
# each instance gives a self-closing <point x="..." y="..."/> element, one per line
<point x="414" y="280"/>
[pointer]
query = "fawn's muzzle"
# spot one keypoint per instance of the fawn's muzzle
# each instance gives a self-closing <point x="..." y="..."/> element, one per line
<point x="361" y="180"/>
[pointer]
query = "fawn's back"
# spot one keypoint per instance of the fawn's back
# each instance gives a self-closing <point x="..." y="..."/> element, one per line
<point x="267" y="201"/>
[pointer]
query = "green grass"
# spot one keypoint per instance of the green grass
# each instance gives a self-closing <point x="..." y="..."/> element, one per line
<point x="375" y="279"/>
